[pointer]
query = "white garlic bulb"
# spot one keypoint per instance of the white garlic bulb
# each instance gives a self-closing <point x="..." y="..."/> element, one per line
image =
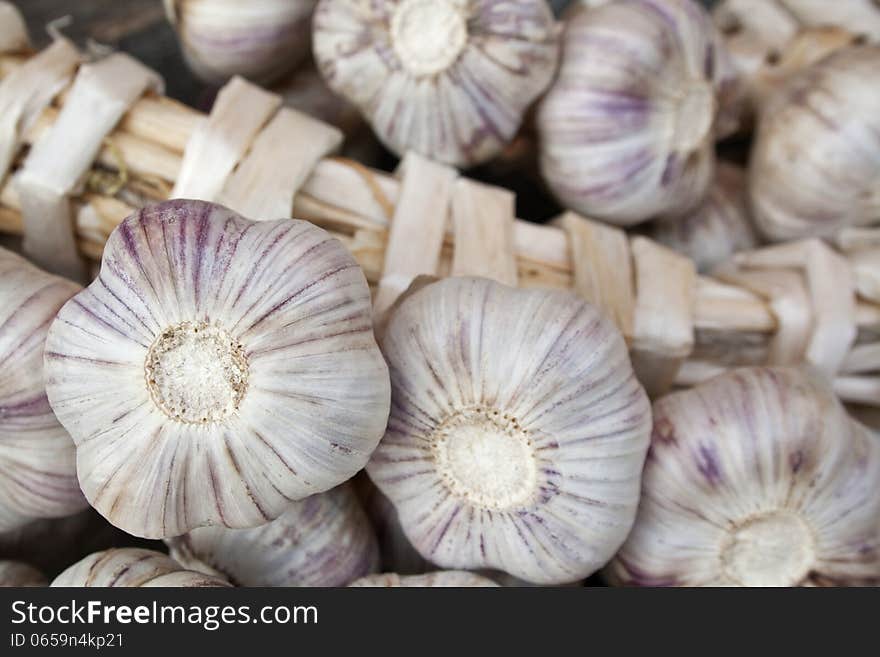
<point x="217" y="370"/>
<point x="440" y="579"/>
<point x="815" y="163"/>
<point x="627" y="129"/>
<point x="17" y="573"/>
<point x="517" y="432"/>
<point x="323" y="540"/>
<point x="37" y="468"/>
<point x="719" y="227"/>
<point x="449" y="79"/>
<point x="132" y="567"/>
<point x="257" y="39"/>
<point x="756" y="478"/>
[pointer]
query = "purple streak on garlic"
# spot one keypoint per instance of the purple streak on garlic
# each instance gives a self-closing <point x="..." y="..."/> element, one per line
<point x="323" y="540"/>
<point x="815" y="163"/>
<point x="217" y="370"/>
<point x="756" y="478"/>
<point x="258" y="39"/>
<point x="439" y="579"/>
<point x="719" y="227"/>
<point x="132" y="567"/>
<point x="449" y="79"/>
<point x="37" y="467"/>
<point x="17" y="573"/>
<point x="627" y="129"/>
<point x="517" y="432"/>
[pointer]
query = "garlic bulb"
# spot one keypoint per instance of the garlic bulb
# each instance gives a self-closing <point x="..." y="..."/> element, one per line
<point x="37" y="470"/>
<point x="16" y="573"/>
<point x="719" y="227"/>
<point x="449" y="79"/>
<point x="217" y="370"/>
<point x="257" y="39"/>
<point x="323" y="540"/>
<point x="444" y="578"/>
<point x="627" y="129"/>
<point x="132" y="567"/>
<point x="517" y="432"/>
<point x="857" y="16"/>
<point x="815" y="163"/>
<point x="756" y="478"/>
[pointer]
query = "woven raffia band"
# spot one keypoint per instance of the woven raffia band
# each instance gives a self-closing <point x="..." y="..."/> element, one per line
<point x="101" y="149"/>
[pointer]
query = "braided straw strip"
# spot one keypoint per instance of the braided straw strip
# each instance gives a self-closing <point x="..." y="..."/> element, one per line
<point x="425" y="219"/>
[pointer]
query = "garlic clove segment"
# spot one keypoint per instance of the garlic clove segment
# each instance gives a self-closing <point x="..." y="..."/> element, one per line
<point x="258" y="39"/>
<point x="323" y="540"/>
<point x="627" y="130"/>
<point x="517" y="432"/>
<point x="132" y="567"/>
<point x="37" y="467"/>
<point x="217" y="370"/>
<point x="756" y="478"/>
<point x="858" y="16"/>
<point x="449" y="79"/>
<point x="815" y="162"/>
<point x="439" y="579"/>
<point x="719" y="227"/>
<point x="17" y="573"/>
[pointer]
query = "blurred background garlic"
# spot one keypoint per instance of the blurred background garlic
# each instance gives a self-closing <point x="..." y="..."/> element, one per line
<point x="217" y="370"/>
<point x="444" y="578"/>
<point x="258" y="39"/>
<point x="449" y="79"/>
<point x="628" y="128"/>
<point x="37" y="466"/>
<point x="815" y="162"/>
<point x="517" y="433"/>
<point x="719" y="227"/>
<point x="16" y="573"/>
<point x="323" y="540"/>
<point x="857" y="16"/>
<point x="132" y="567"/>
<point x="756" y="478"/>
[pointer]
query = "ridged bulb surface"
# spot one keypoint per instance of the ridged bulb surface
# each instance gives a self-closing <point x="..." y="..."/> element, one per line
<point x="37" y="456"/>
<point x="756" y="478"/>
<point x="323" y="540"/>
<point x="518" y="430"/>
<point x="628" y="127"/>
<point x="217" y="370"/>
<point x="439" y="579"/>
<point x="132" y="568"/>
<point x="449" y="79"/>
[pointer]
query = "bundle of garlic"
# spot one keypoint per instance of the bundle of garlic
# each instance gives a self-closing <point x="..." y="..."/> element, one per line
<point x="517" y="433"/>
<point x="815" y="163"/>
<point x="132" y="567"/>
<point x="450" y="79"/>
<point x="756" y="478"/>
<point x="258" y="39"/>
<point x="323" y="540"/>
<point x="719" y="227"/>
<point x="16" y="573"/>
<point x="439" y="579"/>
<point x="217" y="370"/>
<point x="37" y="468"/>
<point x="628" y="127"/>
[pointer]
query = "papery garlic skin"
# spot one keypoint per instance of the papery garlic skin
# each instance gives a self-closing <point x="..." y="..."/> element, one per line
<point x="439" y="579"/>
<point x="323" y="540"/>
<point x="857" y="16"/>
<point x="517" y="433"/>
<point x="719" y="227"/>
<point x="815" y="163"/>
<point x="217" y="370"/>
<point x="17" y="573"/>
<point x="449" y="79"/>
<point x="37" y="468"/>
<point x="131" y="568"/>
<point x="627" y="129"/>
<point x="258" y="39"/>
<point x="756" y="478"/>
